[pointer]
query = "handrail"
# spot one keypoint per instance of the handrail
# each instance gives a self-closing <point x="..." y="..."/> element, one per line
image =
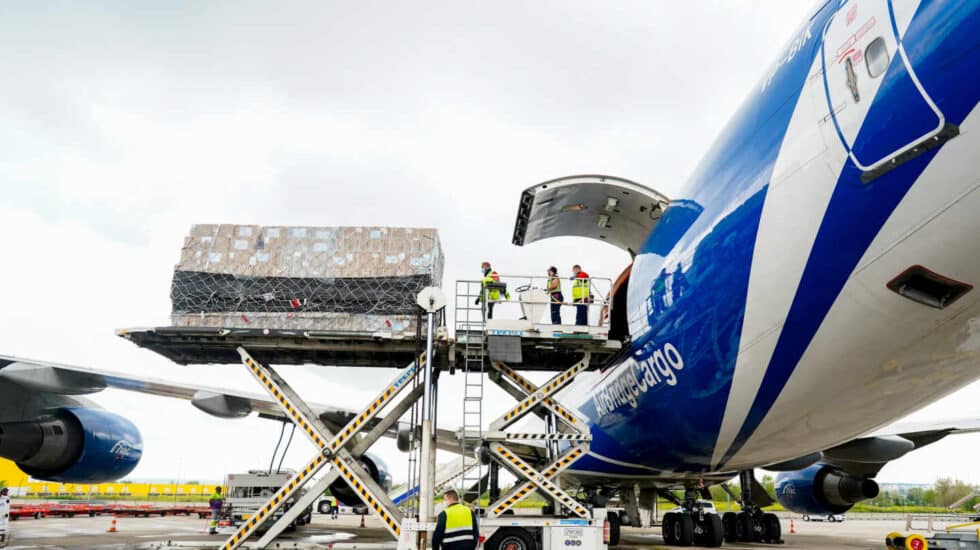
<point x="517" y="287"/>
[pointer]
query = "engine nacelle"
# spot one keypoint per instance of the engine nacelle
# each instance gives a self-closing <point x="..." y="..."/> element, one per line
<point x="73" y="445"/>
<point x="378" y="471"/>
<point x="822" y="489"/>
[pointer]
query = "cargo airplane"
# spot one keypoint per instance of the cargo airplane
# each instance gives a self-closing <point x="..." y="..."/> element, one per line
<point x="813" y="282"/>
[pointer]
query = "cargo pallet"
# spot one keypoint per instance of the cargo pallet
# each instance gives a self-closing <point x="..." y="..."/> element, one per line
<point x="482" y="349"/>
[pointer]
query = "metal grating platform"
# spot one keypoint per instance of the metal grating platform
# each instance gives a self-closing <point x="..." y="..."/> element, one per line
<point x="541" y="350"/>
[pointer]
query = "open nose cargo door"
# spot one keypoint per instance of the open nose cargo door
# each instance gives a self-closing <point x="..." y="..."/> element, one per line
<point x="610" y="209"/>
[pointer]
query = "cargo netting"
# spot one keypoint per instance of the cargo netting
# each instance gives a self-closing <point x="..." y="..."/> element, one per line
<point x="196" y="292"/>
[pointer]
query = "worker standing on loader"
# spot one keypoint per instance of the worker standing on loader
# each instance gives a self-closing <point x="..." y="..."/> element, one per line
<point x="216" y="502"/>
<point x="581" y="294"/>
<point x="456" y="527"/>
<point x="555" y="295"/>
<point x="490" y="288"/>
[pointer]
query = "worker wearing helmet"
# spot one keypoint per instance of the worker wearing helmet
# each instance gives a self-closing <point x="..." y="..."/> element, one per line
<point x="456" y="527"/>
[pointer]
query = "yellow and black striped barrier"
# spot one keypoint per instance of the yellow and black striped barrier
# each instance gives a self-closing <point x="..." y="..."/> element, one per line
<point x="539" y="395"/>
<point x="356" y="483"/>
<point x="530" y="388"/>
<point x="518" y="436"/>
<point x="379" y="402"/>
<point x="302" y="416"/>
<point x="521" y="491"/>
<point x="540" y="480"/>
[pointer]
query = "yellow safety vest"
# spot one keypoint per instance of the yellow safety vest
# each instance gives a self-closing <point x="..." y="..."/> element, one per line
<point x="492" y="294"/>
<point x="580" y="289"/>
<point x="459" y="524"/>
<point x="557" y="287"/>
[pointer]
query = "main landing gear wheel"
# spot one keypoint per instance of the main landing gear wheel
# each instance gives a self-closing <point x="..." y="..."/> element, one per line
<point x="728" y="520"/>
<point x="744" y="528"/>
<point x="614" y="528"/>
<point x="772" y="531"/>
<point x="678" y="529"/>
<point x="510" y="538"/>
<point x="709" y="531"/>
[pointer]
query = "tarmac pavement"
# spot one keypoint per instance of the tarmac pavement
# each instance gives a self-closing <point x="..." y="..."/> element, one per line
<point x="85" y="532"/>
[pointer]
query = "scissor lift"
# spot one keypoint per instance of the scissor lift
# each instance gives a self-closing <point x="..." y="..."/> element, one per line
<point x="342" y="449"/>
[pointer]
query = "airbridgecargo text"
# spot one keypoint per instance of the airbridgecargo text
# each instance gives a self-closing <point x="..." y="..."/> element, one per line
<point x="637" y="377"/>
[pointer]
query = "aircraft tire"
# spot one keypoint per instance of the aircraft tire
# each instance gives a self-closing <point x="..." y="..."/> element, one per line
<point x="728" y="520"/>
<point x="772" y="531"/>
<point x="678" y="529"/>
<point x="806" y="517"/>
<point x="744" y="528"/>
<point x="712" y="532"/>
<point x="685" y="530"/>
<point x="614" y="528"/>
<point x="667" y="528"/>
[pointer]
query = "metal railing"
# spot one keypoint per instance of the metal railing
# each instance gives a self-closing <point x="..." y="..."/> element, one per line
<point x="517" y="292"/>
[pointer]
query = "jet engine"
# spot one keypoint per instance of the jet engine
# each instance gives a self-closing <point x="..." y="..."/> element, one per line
<point x="378" y="471"/>
<point x="73" y="445"/>
<point x="822" y="489"/>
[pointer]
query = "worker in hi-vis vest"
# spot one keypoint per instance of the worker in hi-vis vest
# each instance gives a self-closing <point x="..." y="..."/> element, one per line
<point x="581" y="294"/>
<point x="456" y="527"/>
<point x="216" y="503"/>
<point x="490" y="277"/>
<point x="554" y="295"/>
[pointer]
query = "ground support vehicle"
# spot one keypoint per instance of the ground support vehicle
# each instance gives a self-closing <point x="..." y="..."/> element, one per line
<point x="248" y="492"/>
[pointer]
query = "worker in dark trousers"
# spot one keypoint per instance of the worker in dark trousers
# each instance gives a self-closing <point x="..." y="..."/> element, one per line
<point x="555" y="295"/>
<point x="490" y="288"/>
<point x="216" y="503"/>
<point x="581" y="294"/>
<point x="456" y="527"/>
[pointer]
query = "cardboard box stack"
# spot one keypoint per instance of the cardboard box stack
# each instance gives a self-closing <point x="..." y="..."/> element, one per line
<point x="359" y="279"/>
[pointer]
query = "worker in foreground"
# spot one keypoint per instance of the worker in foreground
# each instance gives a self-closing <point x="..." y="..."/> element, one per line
<point x="216" y="502"/>
<point x="456" y="527"/>
<point x="581" y="294"/>
<point x="490" y="288"/>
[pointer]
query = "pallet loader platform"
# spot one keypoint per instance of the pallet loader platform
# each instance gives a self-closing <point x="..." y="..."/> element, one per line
<point x="481" y="349"/>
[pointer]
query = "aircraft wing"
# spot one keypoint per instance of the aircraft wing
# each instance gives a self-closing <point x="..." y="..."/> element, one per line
<point x="59" y="378"/>
<point x="868" y="454"/>
<point x="47" y="376"/>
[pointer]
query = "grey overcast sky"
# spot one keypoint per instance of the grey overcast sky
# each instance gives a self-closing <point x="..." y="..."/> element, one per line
<point x="124" y="123"/>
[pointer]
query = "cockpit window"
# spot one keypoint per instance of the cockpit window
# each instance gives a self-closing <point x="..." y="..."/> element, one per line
<point x="876" y="57"/>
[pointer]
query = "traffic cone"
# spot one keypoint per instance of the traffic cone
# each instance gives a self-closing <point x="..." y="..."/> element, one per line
<point x="792" y="527"/>
<point x="362" y="520"/>
<point x="112" y="525"/>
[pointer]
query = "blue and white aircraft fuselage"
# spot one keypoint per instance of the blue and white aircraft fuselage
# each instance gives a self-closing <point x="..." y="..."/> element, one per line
<point x="763" y="326"/>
